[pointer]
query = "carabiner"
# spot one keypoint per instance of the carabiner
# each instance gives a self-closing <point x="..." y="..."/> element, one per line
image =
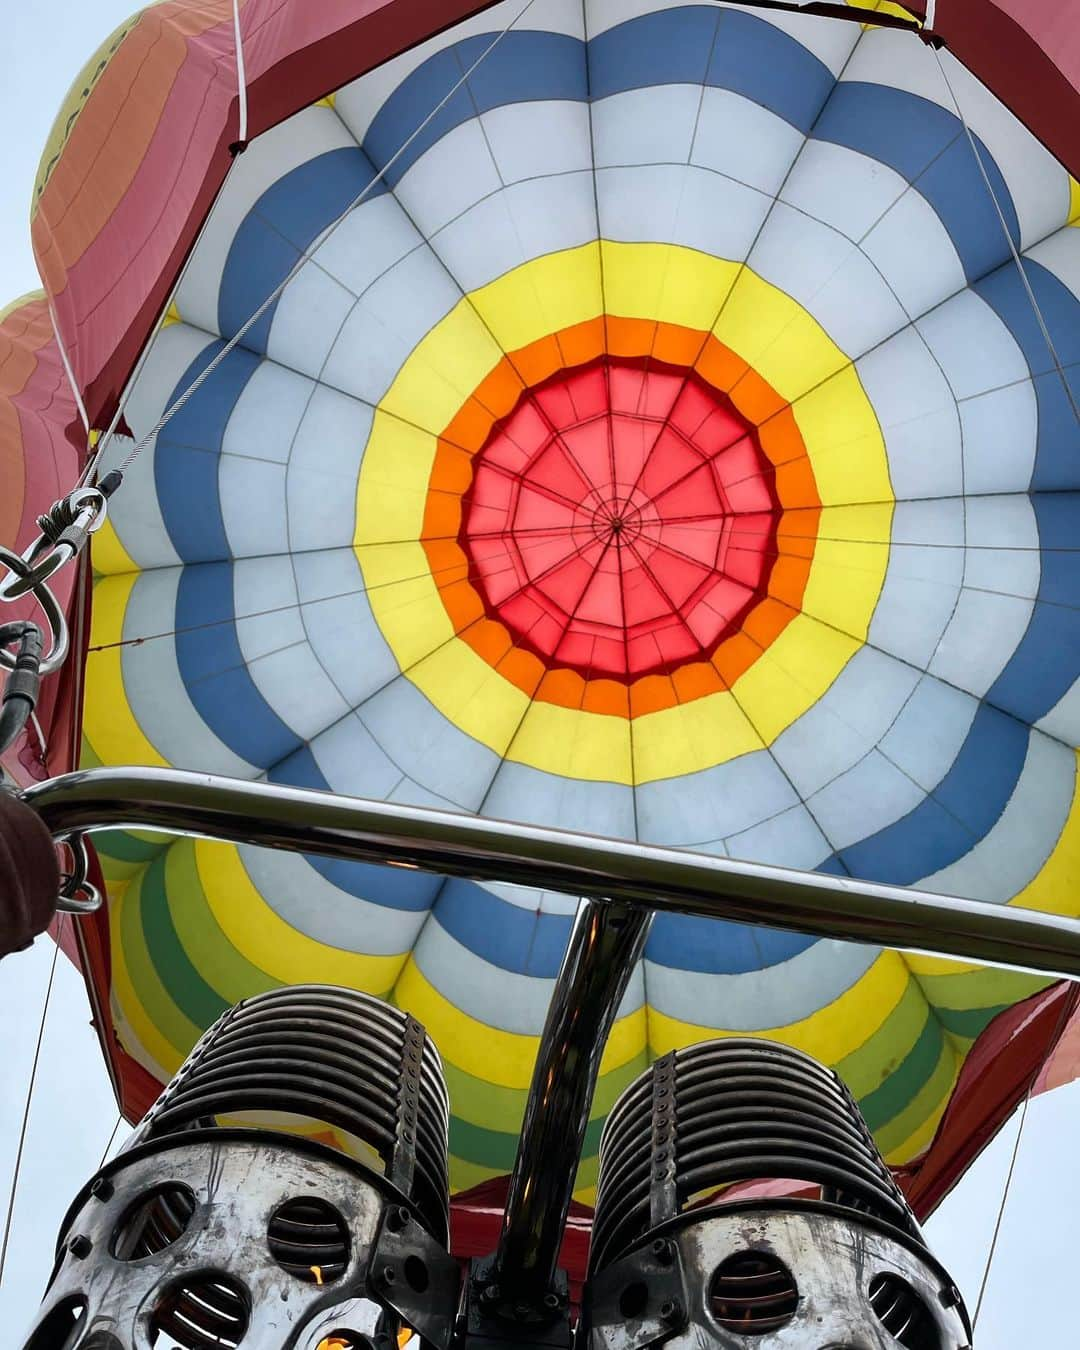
<point x="64" y="532"/>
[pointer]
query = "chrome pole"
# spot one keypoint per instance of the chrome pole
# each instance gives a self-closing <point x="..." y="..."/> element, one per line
<point x="605" y="944"/>
<point x="659" y="879"/>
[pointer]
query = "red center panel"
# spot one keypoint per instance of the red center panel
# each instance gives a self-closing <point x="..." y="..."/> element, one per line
<point x="622" y="520"/>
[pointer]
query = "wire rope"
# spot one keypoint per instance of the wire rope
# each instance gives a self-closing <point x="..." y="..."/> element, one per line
<point x="1016" y="257"/>
<point x="29" y="1101"/>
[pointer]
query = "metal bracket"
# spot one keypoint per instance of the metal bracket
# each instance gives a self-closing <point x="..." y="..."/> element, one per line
<point x="416" y="1277"/>
<point x="494" y="1317"/>
<point x="412" y="1054"/>
<point x="639" y="1300"/>
<point x="78" y="894"/>
<point x="663" y="1198"/>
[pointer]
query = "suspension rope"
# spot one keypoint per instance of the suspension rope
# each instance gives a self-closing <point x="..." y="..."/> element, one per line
<point x="112" y="1140"/>
<point x="29" y="1099"/>
<point x="306" y="255"/>
<point x="1068" y="1006"/>
<point x="1032" y="298"/>
<point x="241" y="77"/>
<point x="72" y="382"/>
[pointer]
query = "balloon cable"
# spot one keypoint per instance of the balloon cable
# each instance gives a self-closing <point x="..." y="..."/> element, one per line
<point x="1010" y="241"/>
<point x="241" y="77"/>
<point x="1068" y="1007"/>
<point x="306" y="256"/>
<point x="29" y="1099"/>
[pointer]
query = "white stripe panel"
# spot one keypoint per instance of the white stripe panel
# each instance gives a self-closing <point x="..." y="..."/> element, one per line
<point x="974" y="348"/>
<point x="646" y="126"/>
<point x="265" y="417"/>
<point x="918" y="417"/>
<point x="340" y="625"/>
<point x="915" y="254"/>
<point x="745" y="141"/>
<point x="696" y="808"/>
<point x="980" y="638"/>
<point x="829" y="277"/>
<point x="791" y="839"/>
<point x="453" y="175"/>
<point x="298" y="689"/>
<point x="680" y="205"/>
<point x="494" y="996"/>
<point x="927" y="735"/>
<point x="430" y="749"/>
<point x="251" y="493"/>
<point x="300" y="895"/>
<point x="864" y="799"/>
<point x="324" y="467"/>
<point x="265" y="590"/>
<point x="519" y="792"/>
<point x="1063" y="719"/>
<point x="759" y="1000"/>
<point x="1001" y="431"/>
<point x="1003" y="546"/>
<point x="849" y="719"/>
<point x="841" y="187"/>
<point x="515" y="225"/>
<point x="539" y="139"/>
<point x="385" y="326"/>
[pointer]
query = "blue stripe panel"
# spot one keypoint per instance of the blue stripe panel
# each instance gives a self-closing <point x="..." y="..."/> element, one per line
<point x="878" y="122"/>
<point x="394" y="888"/>
<point x="1047" y="659"/>
<point x="215" y="674"/>
<point x="676" y="46"/>
<point x="902" y="854"/>
<point x="928" y="146"/>
<point x="208" y="651"/>
<point x="1057" y="462"/>
<point x="672" y="46"/>
<point x="523" y="67"/>
<point x="282" y="224"/>
<point x="713" y="947"/>
<point x="521" y="940"/>
<point x="753" y="58"/>
<point x="187" y="451"/>
<point x="960" y="811"/>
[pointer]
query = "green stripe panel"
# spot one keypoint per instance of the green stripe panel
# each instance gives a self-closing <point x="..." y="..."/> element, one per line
<point x="497" y="1149"/>
<point x="866" y="1068"/>
<point x="490" y="1106"/>
<point x="908" y="1079"/>
<point x="980" y="988"/>
<point x="179" y="977"/>
<point x="928" y="1103"/>
<point x="969" y="1022"/>
<point x="225" y="970"/>
<point x="159" y="1009"/>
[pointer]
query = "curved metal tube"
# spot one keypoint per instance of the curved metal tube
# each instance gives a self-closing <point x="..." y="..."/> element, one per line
<point x="605" y="944"/>
<point x="445" y="842"/>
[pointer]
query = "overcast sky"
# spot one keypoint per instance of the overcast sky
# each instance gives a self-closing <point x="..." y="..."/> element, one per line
<point x="73" y="1113"/>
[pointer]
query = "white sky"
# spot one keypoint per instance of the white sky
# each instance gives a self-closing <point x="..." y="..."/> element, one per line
<point x="73" y="1113"/>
